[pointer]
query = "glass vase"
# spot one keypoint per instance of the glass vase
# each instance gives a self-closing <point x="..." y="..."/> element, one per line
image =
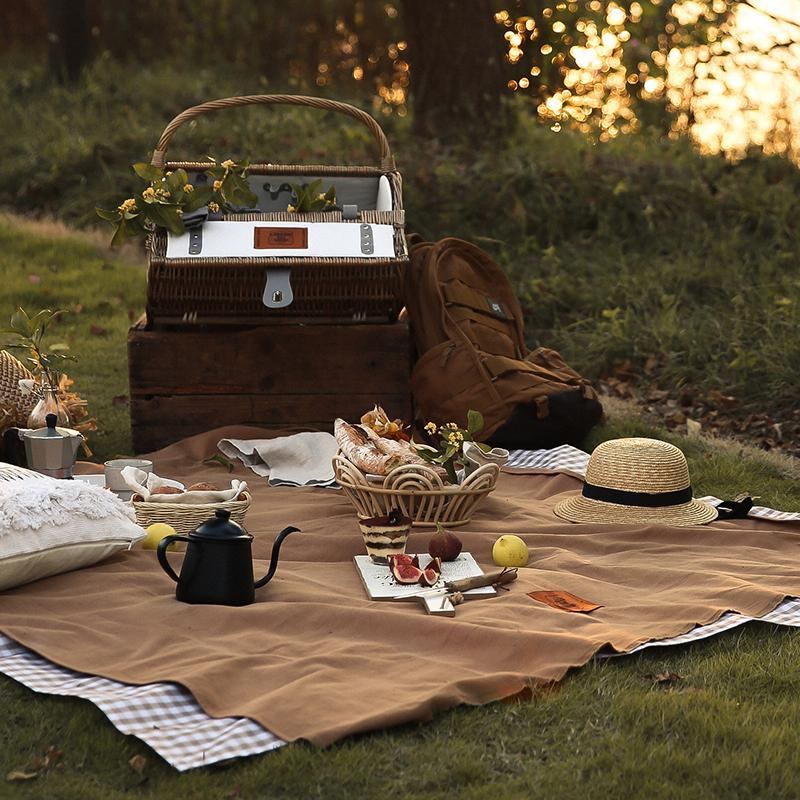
<point x="48" y="404"/>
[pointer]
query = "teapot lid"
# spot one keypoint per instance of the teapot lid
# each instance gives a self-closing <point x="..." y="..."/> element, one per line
<point x="51" y="431"/>
<point x="221" y="526"/>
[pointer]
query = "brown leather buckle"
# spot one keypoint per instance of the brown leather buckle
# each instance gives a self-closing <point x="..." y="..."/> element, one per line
<point x="280" y="238"/>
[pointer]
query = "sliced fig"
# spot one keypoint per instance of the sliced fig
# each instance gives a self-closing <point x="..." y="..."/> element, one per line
<point x="404" y="572"/>
<point x="430" y="575"/>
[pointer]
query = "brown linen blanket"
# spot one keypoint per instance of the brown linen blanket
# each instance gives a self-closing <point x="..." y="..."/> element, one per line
<point x="314" y="659"/>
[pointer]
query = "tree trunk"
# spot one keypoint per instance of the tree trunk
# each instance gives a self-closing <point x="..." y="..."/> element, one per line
<point x="455" y="54"/>
<point x="68" y="38"/>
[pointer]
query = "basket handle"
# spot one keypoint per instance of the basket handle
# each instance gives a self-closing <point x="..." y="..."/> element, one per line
<point x="386" y="157"/>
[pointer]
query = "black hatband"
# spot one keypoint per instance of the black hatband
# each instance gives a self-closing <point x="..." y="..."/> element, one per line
<point x="643" y="499"/>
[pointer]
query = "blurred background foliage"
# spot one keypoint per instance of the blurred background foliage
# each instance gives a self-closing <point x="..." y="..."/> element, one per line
<point x="646" y="228"/>
<point x="604" y="66"/>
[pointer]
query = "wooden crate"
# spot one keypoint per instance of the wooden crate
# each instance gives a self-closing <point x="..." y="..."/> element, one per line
<point x="187" y="380"/>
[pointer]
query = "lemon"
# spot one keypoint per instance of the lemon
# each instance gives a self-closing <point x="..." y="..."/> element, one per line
<point x="510" y="551"/>
<point x="155" y="533"/>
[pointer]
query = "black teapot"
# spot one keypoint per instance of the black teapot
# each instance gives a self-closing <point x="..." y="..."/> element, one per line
<point x="218" y="564"/>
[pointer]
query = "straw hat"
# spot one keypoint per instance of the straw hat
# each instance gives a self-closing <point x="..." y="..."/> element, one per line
<point x="636" y="481"/>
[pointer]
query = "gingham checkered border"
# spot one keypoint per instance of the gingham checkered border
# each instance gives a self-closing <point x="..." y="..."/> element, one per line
<point x="565" y="457"/>
<point x="163" y="715"/>
<point x="167" y="717"/>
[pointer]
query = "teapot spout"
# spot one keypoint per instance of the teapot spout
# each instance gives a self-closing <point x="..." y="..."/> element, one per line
<point x="273" y="564"/>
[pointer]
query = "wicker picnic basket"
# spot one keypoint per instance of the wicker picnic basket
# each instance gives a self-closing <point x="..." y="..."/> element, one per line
<point x="417" y="491"/>
<point x="185" y="517"/>
<point x="186" y="286"/>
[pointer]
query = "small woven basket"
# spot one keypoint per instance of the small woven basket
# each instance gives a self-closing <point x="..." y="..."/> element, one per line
<point x="186" y="517"/>
<point x="14" y="406"/>
<point x="417" y="491"/>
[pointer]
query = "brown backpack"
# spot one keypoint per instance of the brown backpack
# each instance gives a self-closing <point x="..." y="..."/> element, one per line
<point x="469" y="335"/>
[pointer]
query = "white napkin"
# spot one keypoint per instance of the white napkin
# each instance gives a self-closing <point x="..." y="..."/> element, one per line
<point x="144" y="483"/>
<point x="302" y="459"/>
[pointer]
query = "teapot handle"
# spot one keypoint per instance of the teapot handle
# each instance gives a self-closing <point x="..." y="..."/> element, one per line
<point x="161" y="552"/>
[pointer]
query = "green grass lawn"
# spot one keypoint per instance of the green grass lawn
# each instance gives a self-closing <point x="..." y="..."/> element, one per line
<point x="726" y="728"/>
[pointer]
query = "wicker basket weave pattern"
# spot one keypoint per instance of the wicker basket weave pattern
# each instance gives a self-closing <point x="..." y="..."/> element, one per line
<point x="417" y="491"/>
<point x="186" y="517"/>
<point x="230" y="289"/>
<point x="14" y="406"/>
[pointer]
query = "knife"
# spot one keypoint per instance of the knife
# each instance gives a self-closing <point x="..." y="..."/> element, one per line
<point x="499" y="577"/>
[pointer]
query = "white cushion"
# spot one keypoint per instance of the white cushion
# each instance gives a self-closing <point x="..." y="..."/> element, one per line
<point x="49" y="526"/>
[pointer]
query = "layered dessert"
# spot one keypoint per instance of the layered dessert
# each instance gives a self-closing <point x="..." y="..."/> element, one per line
<point x="385" y="536"/>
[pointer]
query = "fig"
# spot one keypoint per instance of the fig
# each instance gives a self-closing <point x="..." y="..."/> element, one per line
<point x="431" y="572"/>
<point x="404" y="572"/>
<point x="444" y="544"/>
<point x="405" y="558"/>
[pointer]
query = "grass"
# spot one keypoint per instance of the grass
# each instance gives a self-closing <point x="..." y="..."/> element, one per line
<point x="637" y="249"/>
<point x="725" y="729"/>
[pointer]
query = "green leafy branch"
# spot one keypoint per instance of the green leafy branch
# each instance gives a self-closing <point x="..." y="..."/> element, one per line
<point x="169" y="195"/>
<point x="29" y="334"/>
<point x="310" y="198"/>
<point x="448" y="450"/>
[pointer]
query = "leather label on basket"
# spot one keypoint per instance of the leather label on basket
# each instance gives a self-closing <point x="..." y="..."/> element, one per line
<point x="280" y="238"/>
<point x="564" y="601"/>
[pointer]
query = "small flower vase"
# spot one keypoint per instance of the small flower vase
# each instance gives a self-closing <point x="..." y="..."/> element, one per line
<point x="48" y="404"/>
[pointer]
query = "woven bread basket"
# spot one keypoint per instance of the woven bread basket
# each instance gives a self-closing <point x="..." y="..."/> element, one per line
<point x="417" y="491"/>
<point x="186" y="517"/>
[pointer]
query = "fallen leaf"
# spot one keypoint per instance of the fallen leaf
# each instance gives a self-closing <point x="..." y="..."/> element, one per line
<point x="52" y="757"/>
<point x="119" y="400"/>
<point x="137" y="763"/>
<point x="693" y="428"/>
<point x="664" y="677"/>
<point x="97" y="330"/>
<point x="35" y="278"/>
<point x="18" y="775"/>
<point x="218" y="458"/>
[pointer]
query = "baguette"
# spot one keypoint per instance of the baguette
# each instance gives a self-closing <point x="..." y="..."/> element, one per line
<point x="402" y="450"/>
<point x="358" y="448"/>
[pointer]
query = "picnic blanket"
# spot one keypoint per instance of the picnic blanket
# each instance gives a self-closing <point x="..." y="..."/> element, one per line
<point x="314" y="659"/>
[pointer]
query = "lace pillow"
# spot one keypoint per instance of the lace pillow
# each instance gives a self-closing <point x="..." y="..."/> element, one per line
<point x="50" y="526"/>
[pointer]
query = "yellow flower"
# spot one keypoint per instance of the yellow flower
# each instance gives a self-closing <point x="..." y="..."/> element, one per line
<point x="455" y="438"/>
<point x="431" y="428"/>
<point x="213" y="207"/>
<point x="321" y="196"/>
<point x="149" y="193"/>
<point x="452" y="426"/>
<point x="126" y="206"/>
<point x="179" y="212"/>
<point x="162" y="193"/>
<point x="291" y="209"/>
<point x="188" y="188"/>
<point x="228" y="164"/>
<point x="217" y="185"/>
